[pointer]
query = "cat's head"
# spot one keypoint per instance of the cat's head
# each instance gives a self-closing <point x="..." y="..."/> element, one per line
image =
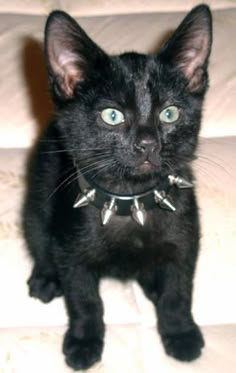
<point x="131" y="116"/>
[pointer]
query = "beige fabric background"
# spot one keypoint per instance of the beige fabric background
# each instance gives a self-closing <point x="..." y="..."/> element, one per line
<point x="31" y="332"/>
<point x="106" y="7"/>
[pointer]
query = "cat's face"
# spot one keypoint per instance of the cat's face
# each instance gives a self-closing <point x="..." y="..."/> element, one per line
<point x="133" y="116"/>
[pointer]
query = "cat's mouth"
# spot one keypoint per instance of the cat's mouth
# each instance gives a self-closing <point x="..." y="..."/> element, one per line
<point x="146" y="167"/>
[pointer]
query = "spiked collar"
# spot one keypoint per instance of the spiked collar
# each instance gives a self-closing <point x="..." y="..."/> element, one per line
<point x="135" y="205"/>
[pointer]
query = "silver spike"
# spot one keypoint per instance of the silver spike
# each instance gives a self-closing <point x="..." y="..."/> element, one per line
<point x="163" y="201"/>
<point x="108" y="211"/>
<point x="138" y="212"/>
<point x="83" y="199"/>
<point x="180" y="182"/>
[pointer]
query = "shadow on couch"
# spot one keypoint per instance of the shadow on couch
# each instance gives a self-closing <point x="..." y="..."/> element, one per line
<point x="36" y="79"/>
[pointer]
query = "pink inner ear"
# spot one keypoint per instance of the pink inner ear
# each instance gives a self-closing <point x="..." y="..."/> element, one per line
<point x="66" y="66"/>
<point x="196" y="79"/>
<point x="71" y="76"/>
<point x="68" y="62"/>
<point x="192" y="57"/>
<point x="67" y="57"/>
<point x="195" y="56"/>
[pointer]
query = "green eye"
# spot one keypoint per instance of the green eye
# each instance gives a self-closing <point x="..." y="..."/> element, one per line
<point x="112" y="117"/>
<point x="169" y="115"/>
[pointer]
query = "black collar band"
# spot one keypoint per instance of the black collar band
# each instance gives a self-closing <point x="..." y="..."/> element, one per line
<point x="135" y="205"/>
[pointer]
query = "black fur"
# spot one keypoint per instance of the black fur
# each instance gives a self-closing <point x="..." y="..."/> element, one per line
<point x="72" y="251"/>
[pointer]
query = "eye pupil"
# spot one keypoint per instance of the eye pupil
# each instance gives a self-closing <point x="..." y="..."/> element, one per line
<point x="113" y="115"/>
<point x="168" y="113"/>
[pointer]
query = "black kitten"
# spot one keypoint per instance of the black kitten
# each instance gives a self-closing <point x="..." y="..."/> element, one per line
<point x="125" y="130"/>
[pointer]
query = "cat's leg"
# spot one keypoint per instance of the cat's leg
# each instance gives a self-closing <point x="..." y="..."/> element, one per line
<point x="43" y="282"/>
<point x="42" y="177"/>
<point x="83" y="342"/>
<point x="170" y="288"/>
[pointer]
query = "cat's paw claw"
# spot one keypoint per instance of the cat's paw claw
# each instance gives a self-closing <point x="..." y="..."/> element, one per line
<point x="82" y="354"/>
<point x="44" y="288"/>
<point x="184" y="346"/>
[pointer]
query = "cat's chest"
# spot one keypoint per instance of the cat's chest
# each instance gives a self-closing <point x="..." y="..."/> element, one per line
<point x="128" y="248"/>
<point x="125" y="233"/>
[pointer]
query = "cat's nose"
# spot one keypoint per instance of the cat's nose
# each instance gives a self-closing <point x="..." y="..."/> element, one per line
<point x="146" y="146"/>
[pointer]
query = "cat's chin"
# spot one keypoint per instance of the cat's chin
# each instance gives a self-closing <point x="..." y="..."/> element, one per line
<point x="144" y="172"/>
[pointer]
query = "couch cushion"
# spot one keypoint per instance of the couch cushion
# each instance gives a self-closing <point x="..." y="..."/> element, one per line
<point x="28" y="6"/>
<point x="106" y="7"/>
<point x="24" y="103"/>
<point x="126" y="304"/>
<point x="130" y="348"/>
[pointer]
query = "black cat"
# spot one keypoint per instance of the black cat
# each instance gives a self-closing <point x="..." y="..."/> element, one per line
<point x="123" y="137"/>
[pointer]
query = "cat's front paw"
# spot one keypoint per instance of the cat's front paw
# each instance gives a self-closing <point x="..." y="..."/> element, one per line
<point x="44" y="287"/>
<point x="184" y="346"/>
<point x="82" y="353"/>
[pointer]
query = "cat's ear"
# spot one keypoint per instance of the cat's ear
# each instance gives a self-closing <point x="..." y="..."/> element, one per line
<point x="190" y="46"/>
<point x="70" y="54"/>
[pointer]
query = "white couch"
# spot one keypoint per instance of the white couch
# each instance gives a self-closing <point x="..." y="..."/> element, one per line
<point x="31" y="332"/>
